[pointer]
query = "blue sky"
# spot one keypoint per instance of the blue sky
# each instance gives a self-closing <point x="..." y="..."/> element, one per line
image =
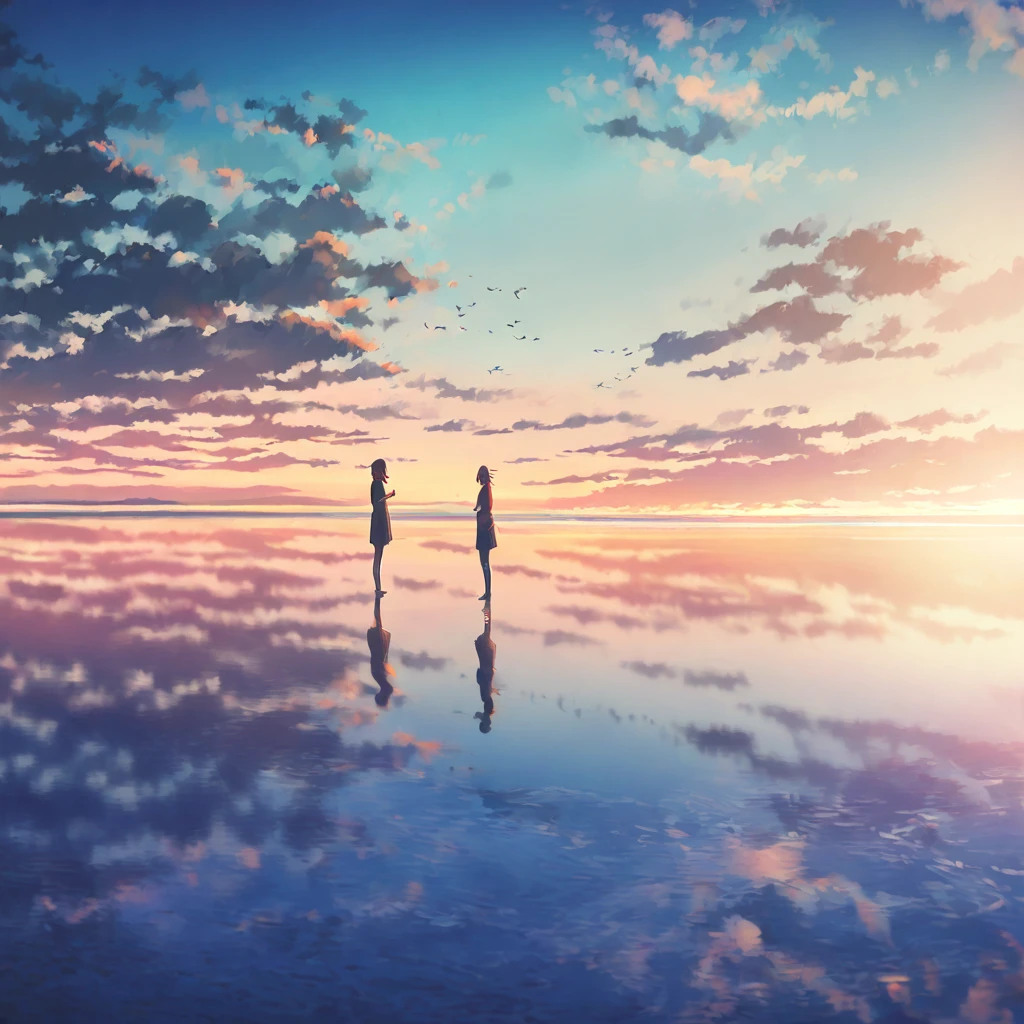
<point x="512" y="167"/>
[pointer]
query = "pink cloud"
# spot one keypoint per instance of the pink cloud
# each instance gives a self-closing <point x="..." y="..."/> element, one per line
<point x="995" y="298"/>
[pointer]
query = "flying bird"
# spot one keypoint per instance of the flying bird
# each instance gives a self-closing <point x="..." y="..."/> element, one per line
<point x="601" y="385"/>
<point x="523" y="338"/>
<point x="461" y="328"/>
<point x="536" y="339"/>
<point x="496" y="369"/>
<point x="596" y="349"/>
<point x="490" y="289"/>
<point x="440" y="327"/>
<point x="633" y="369"/>
<point x="517" y="291"/>
<point x="514" y="322"/>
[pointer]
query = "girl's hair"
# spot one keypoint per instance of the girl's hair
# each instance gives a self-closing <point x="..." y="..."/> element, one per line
<point x="483" y="475"/>
<point x="380" y="466"/>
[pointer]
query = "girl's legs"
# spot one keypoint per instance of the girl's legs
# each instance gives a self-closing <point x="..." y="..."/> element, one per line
<point x="378" y="553"/>
<point x="485" y="564"/>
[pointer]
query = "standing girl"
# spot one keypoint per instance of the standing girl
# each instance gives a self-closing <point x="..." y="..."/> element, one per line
<point x="485" y="536"/>
<point x="380" y="520"/>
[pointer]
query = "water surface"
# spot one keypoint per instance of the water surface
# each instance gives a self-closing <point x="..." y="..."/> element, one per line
<point x="768" y="774"/>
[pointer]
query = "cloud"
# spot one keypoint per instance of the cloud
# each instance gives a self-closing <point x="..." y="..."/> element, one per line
<point x="740" y="179"/>
<point x="929" y="421"/>
<point x="574" y="479"/>
<point x="741" y="102"/>
<point x="717" y="680"/>
<point x="710" y="128"/>
<point x="449" y="426"/>
<point x="994" y="28"/>
<point x="984" y="361"/>
<point x="186" y="285"/>
<point x="846" y="352"/>
<point x="746" y="465"/>
<point x="806" y="233"/>
<point x="997" y="297"/>
<point x="713" y="30"/>
<point x="727" y="372"/>
<point x="798" y="321"/>
<point x="650" y="670"/>
<point x="447" y="545"/>
<point x="876" y="254"/>
<point x="731" y="417"/>
<point x="787" y="361"/>
<point x="679" y="347"/>
<point x="376" y="412"/>
<point x="445" y="389"/>
<point x="843" y="174"/>
<point x="500" y="179"/>
<point x="422" y="661"/>
<point x="834" y="102"/>
<point x="779" y="411"/>
<point x="672" y="28"/>
<point x="575" y="422"/>
<point x="407" y="583"/>
<point x="880" y="266"/>
<point x="659" y="670"/>
<point x="813" y="278"/>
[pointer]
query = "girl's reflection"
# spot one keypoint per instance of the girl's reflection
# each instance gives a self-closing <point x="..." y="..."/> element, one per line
<point x="485" y="651"/>
<point x="378" y="639"/>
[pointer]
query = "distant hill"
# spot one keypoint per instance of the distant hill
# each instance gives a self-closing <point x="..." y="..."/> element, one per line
<point x="92" y="501"/>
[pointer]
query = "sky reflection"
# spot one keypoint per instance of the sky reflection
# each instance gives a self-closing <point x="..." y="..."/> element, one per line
<point x="769" y="774"/>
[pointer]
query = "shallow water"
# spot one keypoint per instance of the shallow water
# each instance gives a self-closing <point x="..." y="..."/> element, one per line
<point x="766" y="774"/>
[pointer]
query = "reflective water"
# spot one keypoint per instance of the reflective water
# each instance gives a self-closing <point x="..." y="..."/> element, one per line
<point x="688" y="774"/>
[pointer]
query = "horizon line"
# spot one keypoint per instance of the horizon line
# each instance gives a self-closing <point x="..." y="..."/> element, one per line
<point x="121" y="510"/>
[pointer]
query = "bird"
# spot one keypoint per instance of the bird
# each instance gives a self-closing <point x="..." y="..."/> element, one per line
<point x="472" y="304"/>
<point x="596" y="349"/>
<point x="496" y="369"/>
<point x="440" y="327"/>
<point x="601" y="385"/>
<point x="536" y="339"/>
<point x="517" y="291"/>
<point x="460" y="315"/>
<point x="633" y="369"/>
<point x="461" y="328"/>
<point x="523" y="338"/>
<point x="514" y="322"/>
<point x="458" y="307"/>
<point x="490" y="289"/>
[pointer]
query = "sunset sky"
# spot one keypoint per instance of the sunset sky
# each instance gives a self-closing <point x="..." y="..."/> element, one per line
<point x="772" y="253"/>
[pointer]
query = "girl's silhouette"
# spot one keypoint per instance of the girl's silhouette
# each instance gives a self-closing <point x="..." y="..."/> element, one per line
<point x="485" y="536"/>
<point x="378" y="639"/>
<point x="380" y="520"/>
<point x="485" y="652"/>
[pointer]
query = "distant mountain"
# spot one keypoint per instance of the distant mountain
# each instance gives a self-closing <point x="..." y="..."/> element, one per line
<point x="162" y="495"/>
<point x="92" y="501"/>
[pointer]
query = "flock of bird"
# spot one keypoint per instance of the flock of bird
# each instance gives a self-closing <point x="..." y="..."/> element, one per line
<point x="462" y="311"/>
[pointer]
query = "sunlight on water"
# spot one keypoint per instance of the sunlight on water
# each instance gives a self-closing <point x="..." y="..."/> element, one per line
<point x="696" y="774"/>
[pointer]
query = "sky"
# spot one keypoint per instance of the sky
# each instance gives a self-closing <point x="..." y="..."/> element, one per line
<point x="751" y="258"/>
